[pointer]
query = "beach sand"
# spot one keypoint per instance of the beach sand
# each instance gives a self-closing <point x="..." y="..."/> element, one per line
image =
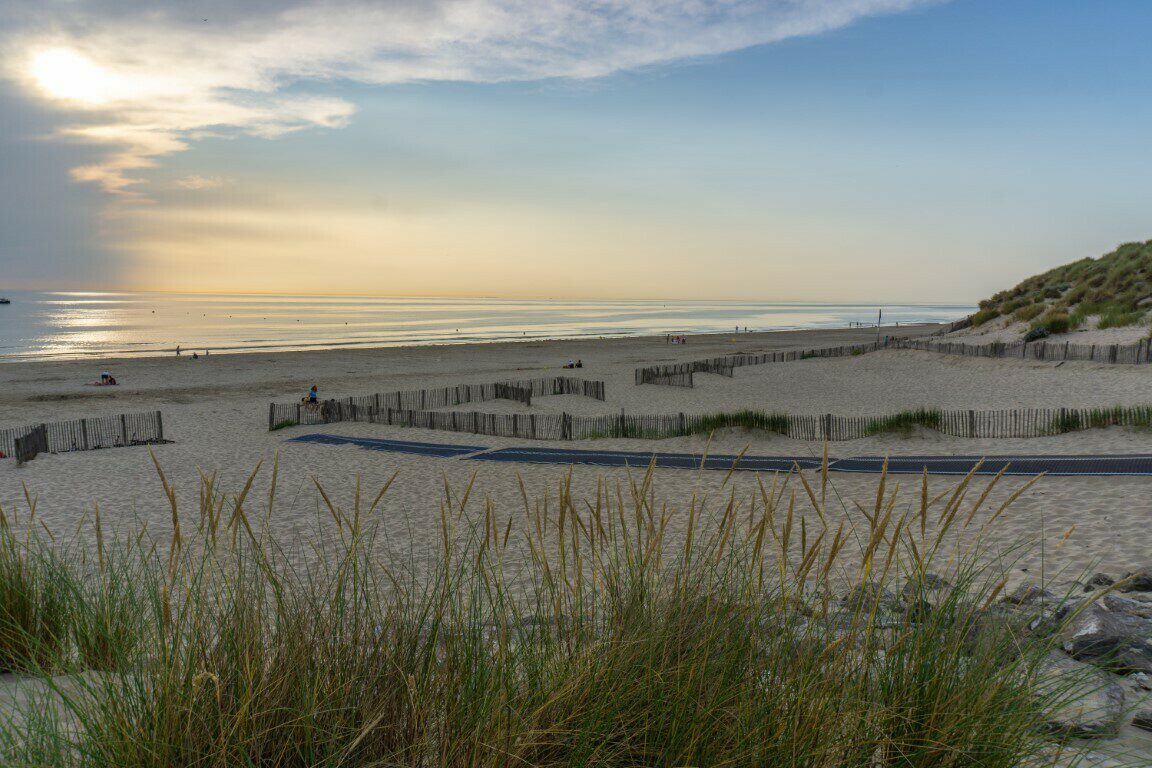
<point x="215" y="411"/>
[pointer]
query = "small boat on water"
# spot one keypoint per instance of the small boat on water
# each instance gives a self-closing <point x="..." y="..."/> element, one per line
<point x="5" y="301"/>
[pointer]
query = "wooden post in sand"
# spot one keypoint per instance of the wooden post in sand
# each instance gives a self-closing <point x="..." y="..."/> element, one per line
<point x="159" y="426"/>
<point x="271" y="416"/>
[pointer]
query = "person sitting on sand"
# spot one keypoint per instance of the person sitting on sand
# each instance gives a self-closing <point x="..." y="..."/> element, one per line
<point x="579" y="363"/>
<point x="104" y="376"/>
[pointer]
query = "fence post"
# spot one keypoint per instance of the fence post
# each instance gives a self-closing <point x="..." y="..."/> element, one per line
<point x="389" y="415"/>
<point x="84" y="432"/>
<point x="683" y="427"/>
<point x="971" y="423"/>
<point x="828" y="426"/>
<point x="271" y="416"/>
<point x="124" y="429"/>
<point x="298" y="413"/>
<point x="159" y="426"/>
<point x="565" y="427"/>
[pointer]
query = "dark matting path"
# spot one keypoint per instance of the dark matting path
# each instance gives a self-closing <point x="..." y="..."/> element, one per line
<point x="1129" y="464"/>
<point x="441" y="450"/>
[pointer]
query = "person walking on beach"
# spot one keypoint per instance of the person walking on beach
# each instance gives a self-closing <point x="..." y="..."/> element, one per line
<point x="177" y="350"/>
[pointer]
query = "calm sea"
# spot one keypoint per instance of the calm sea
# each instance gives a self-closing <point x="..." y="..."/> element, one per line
<point x="81" y="325"/>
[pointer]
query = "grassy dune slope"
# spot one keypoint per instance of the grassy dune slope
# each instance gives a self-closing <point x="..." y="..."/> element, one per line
<point x="1116" y="288"/>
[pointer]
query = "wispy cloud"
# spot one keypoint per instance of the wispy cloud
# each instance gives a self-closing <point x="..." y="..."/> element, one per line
<point x="197" y="182"/>
<point x="145" y="81"/>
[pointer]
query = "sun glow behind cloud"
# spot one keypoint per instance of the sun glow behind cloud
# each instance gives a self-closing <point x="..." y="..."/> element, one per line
<point x="160" y="78"/>
<point x="140" y="83"/>
<point x="64" y="74"/>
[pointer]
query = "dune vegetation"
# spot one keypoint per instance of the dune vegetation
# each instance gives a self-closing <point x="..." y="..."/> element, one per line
<point x="571" y="632"/>
<point x="1115" y="288"/>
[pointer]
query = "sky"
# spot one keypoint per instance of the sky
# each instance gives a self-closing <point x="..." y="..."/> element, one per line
<point x="805" y="150"/>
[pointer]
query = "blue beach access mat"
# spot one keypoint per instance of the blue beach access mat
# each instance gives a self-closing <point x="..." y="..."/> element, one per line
<point x="441" y="450"/>
<point x="1070" y="466"/>
<point x="1134" y="464"/>
<point x="641" y="459"/>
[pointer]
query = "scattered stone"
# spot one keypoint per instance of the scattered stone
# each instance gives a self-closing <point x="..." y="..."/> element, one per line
<point x="1143" y="718"/>
<point x="1030" y="593"/>
<point x="923" y="595"/>
<point x="1119" y="641"/>
<point x="1091" y="703"/>
<point x="1142" y="680"/>
<point x="868" y="596"/>
<point x="1037" y="611"/>
<point x="926" y="583"/>
<point x="1099" y="581"/>
<point x="1138" y="581"/>
<point x="1141" y="606"/>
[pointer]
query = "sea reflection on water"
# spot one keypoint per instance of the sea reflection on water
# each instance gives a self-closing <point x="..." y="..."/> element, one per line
<point x="88" y="324"/>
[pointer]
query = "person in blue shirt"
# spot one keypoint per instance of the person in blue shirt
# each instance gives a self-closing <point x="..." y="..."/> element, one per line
<point x="313" y="395"/>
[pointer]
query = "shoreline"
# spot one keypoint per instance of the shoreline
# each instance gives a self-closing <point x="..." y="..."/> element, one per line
<point x="774" y="339"/>
<point x="257" y="349"/>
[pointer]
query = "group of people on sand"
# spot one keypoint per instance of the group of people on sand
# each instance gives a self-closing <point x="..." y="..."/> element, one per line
<point x="195" y="355"/>
<point x="577" y="364"/>
<point x="106" y="380"/>
<point x="677" y="339"/>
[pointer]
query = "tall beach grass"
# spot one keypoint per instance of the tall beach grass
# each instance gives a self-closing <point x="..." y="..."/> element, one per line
<point x="571" y="632"/>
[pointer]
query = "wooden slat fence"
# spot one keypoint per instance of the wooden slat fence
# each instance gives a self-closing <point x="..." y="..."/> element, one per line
<point x="1018" y="423"/>
<point x="680" y="374"/>
<point x="290" y="414"/>
<point x="513" y="392"/>
<point x="90" y="434"/>
<point x="31" y="445"/>
<point x="1124" y="354"/>
<point x="955" y="325"/>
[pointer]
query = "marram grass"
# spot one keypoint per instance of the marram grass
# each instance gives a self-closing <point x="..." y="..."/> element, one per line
<point x="573" y="632"/>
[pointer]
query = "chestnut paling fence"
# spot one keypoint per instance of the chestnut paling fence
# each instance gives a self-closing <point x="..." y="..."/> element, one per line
<point x="1056" y="351"/>
<point x="357" y="408"/>
<point x="82" y="434"/>
<point x="1022" y="423"/>
<point x="681" y="374"/>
